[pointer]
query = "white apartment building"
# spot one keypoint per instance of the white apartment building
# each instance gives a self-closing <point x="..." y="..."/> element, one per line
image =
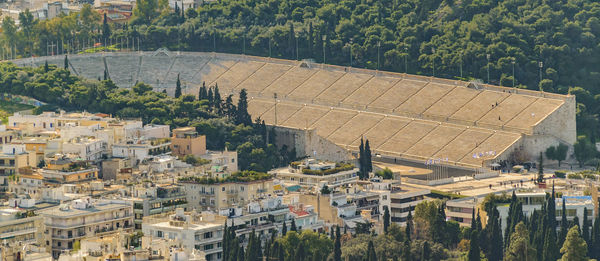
<point x="83" y="218"/>
<point x="140" y="150"/>
<point x="195" y="231"/>
<point x="87" y="148"/>
<point x="222" y="161"/>
<point x="154" y="131"/>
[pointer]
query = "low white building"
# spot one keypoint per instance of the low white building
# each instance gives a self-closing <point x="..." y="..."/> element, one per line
<point x="140" y="150"/>
<point x="154" y="131"/>
<point x="311" y="173"/>
<point x="222" y="161"/>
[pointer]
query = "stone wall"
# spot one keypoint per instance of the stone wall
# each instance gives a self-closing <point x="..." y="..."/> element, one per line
<point x="308" y="143"/>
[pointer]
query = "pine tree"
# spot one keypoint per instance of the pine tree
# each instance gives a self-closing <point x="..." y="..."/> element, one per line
<point x="574" y="248"/>
<point x="386" y="219"/>
<point x="66" y="63"/>
<point x="520" y="248"/>
<point x="105" y="28"/>
<point x="337" y="246"/>
<point x="474" y="251"/>
<point x="242" y="116"/>
<point x="178" y="87"/>
<point x="368" y="158"/>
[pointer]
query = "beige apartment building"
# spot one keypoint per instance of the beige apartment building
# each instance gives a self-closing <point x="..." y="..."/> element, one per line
<point x="224" y="194"/>
<point x="83" y="218"/>
<point x="186" y="141"/>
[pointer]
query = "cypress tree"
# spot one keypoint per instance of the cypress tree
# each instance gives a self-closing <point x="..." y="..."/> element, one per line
<point x="217" y="100"/>
<point x="595" y="237"/>
<point x="300" y="253"/>
<point x="474" y="251"/>
<point x="425" y="253"/>
<point x="66" y="63"/>
<point x="585" y="231"/>
<point x="409" y="225"/>
<point x="337" y="246"/>
<point x="550" y="248"/>
<point x="406" y="251"/>
<point x="281" y="252"/>
<point x="473" y="220"/>
<point x="202" y="92"/>
<point x="178" y="87"/>
<point x="105" y="28"/>
<point x="361" y="159"/>
<point x="293" y="227"/>
<point x="291" y="40"/>
<point x="371" y="255"/>
<point x="310" y="39"/>
<point x="242" y="116"/>
<point x="368" y="158"/>
<point x="564" y="224"/>
<point x="386" y="219"/>
<point x="210" y="98"/>
<point x="46" y="67"/>
<point x="284" y="229"/>
<point x="478" y="220"/>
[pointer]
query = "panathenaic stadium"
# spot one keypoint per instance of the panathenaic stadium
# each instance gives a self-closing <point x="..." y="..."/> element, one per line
<point x="327" y="109"/>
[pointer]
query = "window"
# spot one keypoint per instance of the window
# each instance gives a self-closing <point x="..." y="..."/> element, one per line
<point x="159" y="233"/>
<point x="208" y="247"/>
<point x="208" y="235"/>
<point x="222" y="188"/>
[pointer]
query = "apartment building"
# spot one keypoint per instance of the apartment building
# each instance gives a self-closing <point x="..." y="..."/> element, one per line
<point x="151" y="199"/>
<point x="89" y="149"/>
<point x="17" y="225"/>
<point x="403" y="200"/>
<point x="195" y="231"/>
<point x="140" y="150"/>
<point x="62" y="170"/>
<point x="83" y="218"/>
<point x="236" y="190"/>
<point x="311" y="173"/>
<point x="186" y="141"/>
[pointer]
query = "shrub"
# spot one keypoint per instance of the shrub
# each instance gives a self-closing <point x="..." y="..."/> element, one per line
<point x="560" y="174"/>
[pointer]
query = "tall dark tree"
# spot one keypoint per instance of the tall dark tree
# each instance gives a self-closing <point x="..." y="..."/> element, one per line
<point x="284" y="229"/>
<point x="564" y="224"/>
<point x="210" y="98"/>
<point x="474" y="250"/>
<point x="242" y="116"/>
<point x="46" y="68"/>
<point x="406" y="251"/>
<point x="291" y="41"/>
<point x="386" y="219"/>
<point x="293" y="227"/>
<point x="337" y="245"/>
<point x="585" y="228"/>
<point x="202" y="93"/>
<point x="105" y="28"/>
<point x="368" y="156"/>
<point x="371" y="255"/>
<point x="66" y="63"/>
<point x="217" y="100"/>
<point x="409" y="225"/>
<point x="425" y="252"/>
<point x="178" y="87"/>
<point x="595" y="238"/>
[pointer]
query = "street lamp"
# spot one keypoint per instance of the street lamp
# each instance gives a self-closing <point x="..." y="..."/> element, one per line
<point x="488" y="67"/>
<point x="513" y="68"/>
<point x="378" y="47"/>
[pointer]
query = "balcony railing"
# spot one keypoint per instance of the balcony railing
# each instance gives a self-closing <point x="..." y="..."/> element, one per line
<point x="87" y="222"/>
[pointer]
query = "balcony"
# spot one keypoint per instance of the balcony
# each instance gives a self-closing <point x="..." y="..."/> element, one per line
<point x="72" y="236"/>
<point x="16" y="232"/>
<point x="65" y="225"/>
<point x="231" y="192"/>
